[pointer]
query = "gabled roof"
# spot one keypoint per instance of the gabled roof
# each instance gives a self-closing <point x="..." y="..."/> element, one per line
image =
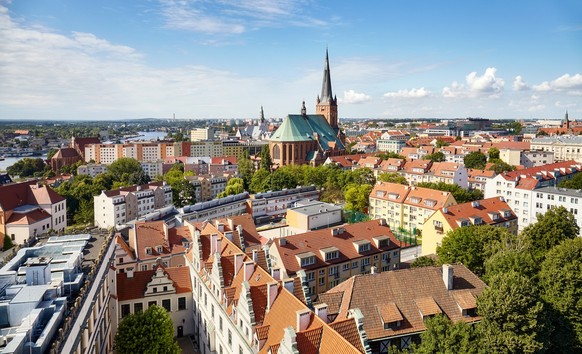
<point x="419" y="196"/>
<point x="297" y="127"/>
<point x="484" y="209"/>
<point x="393" y="192"/>
<point x="18" y="194"/>
<point x="29" y="218"/>
<point x="135" y="287"/>
<point x="409" y="290"/>
<point x="318" y="241"/>
<point x="125" y="190"/>
<point x="150" y="234"/>
<point x="65" y="153"/>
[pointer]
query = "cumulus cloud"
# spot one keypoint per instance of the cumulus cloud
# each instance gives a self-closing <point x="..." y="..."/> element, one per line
<point x="536" y="108"/>
<point x="519" y="84"/>
<point x="354" y="97"/>
<point x="412" y="93"/>
<point x="571" y="84"/>
<point x="486" y="85"/>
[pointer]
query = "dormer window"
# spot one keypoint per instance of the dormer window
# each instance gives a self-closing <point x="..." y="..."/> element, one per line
<point x="362" y="246"/>
<point x="148" y="250"/>
<point x="330" y="253"/>
<point x="506" y="213"/>
<point x="415" y="199"/>
<point x="430" y="203"/>
<point x="463" y="222"/>
<point x="306" y="259"/>
<point x="494" y="216"/>
<point x="159" y="249"/>
<point x="393" y="196"/>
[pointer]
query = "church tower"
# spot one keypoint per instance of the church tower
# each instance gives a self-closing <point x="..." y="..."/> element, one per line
<point x="326" y="102"/>
<point x="566" y="121"/>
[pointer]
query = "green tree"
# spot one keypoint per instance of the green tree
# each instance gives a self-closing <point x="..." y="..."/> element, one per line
<point x="573" y="183"/>
<point x="358" y="176"/>
<point x="7" y="243"/>
<point x="493" y="153"/>
<point x="392" y="177"/>
<point x="561" y="283"/>
<point x="357" y="197"/>
<point x="234" y="186"/>
<point x="444" y="336"/>
<point x="475" y="159"/>
<point x="440" y="143"/>
<point x="461" y="195"/>
<point x="261" y="181"/>
<point x="500" y="166"/>
<point x="436" y="157"/>
<point x="390" y="155"/>
<point x="515" y="127"/>
<point x="51" y="153"/>
<point x="27" y="167"/>
<point x="468" y="245"/>
<point x="552" y="228"/>
<point x="151" y="331"/>
<point x="512" y="316"/>
<point x="85" y="213"/>
<point x="510" y="253"/>
<point x="128" y="171"/>
<point x="282" y="178"/>
<point x="423" y="261"/>
<point x="266" y="162"/>
<point x="246" y="169"/>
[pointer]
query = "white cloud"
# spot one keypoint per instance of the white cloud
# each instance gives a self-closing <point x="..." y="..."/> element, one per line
<point x="564" y="105"/>
<point x="571" y="84"/>
<point x="487" y="85"/>
<point x="519" y="84"/>
<point x="536" y="108"/>
<point x="354" y="97"/>
<point x="412" y="93"/>
<point x="544" y="86"/>
<point x="235" y="17"/>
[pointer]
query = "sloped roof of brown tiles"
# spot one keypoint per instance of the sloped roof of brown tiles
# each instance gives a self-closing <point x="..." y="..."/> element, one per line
<point x="405" y="288"/>
<point x="349" y="330"/>
<point x="438" y="168"/>
<point x="389" y="312"/>
<point x="394" y="162"/>
<point x="531" y="172"/>
<point x="135" y="287"/>
<point x="314" y="241"/>
<point x="29" y="218"/>
<point x="411" y="166"/>
<point x="17" y="194"/>
<point x="308" y="341"/>
<point x="483" y="209"/>
<point x="220" y="160"/>
<point x="65" y="153"/>
<point x="473" y="173"/>
<point x="121" y="242"/>
<point x="384" y="191"/>
<point x="425" y="194"/>
<point x="153" y="233"/>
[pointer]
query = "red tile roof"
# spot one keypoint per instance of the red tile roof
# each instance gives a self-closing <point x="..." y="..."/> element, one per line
<point x="28" y="218"/>
<point x="18" y="194"/>
<point x="135" y="287"/>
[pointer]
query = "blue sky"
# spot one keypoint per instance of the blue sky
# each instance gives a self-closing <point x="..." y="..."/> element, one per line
<point x="112" y="59"/>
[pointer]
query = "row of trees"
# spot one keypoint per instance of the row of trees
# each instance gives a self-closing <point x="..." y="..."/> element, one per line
<point x="533" y="301"/>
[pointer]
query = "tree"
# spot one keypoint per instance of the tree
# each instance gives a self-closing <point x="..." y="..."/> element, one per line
<point x="500" y="166"/>
<point x="561" y="283"/>
<point x="493" y="153"/>
<point x="440" y="143"/>
<point x="128" y="171"/>
<point x="357" y="197"/>
<point x="510" y="253"/>
<point x="85" y="213"/>
<point x="390" y="155"/>
<point x="468" y="245"/>
<point x="51" y="153"/>
<point x="444" y="336"/>
<point x="27" y="167"/>
<point x="512" y="316"/>
<point x="436" y="157"/>
<point x="151" y="331"/>
<point x="358" y="176"/>
<point x="7" y="243"/>
<point x="392" y="177"/>
<point x="423" y="261"/>
<point x="261" y="181"/>
<point x="281" y="179"/>
<point x="266" y="162"/>
<point x="246" y="169"/>
<point x="515" y="127"/>
<point x="461" y="195"/>
<point x="234" y="186"/>
<point x="553" y="227"/>
<point x="574" y="183"/>
<point x="475" y="159"/>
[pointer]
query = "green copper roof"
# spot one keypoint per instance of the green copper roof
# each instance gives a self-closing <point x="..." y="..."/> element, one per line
<point x="302" y="128"/>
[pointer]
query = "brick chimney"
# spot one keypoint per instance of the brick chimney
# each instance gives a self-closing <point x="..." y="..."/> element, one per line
<point x="303" y="319"/>
<point x="276" y="273"/>
<point x="321" y="312"/>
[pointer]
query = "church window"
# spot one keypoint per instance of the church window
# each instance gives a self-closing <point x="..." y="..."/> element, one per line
<point x="276" y="152"/>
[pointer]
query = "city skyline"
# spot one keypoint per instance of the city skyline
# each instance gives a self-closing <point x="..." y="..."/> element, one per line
<point x="204" y="59"/>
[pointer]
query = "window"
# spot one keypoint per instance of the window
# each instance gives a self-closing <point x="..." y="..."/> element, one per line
<point x="306" y="261"/>
<point x="331" y="255"/>
<point x="166" y="303"/>
<point x="321" y="281"/>
<point x="363" y="247"/>
<point x="144" y="267"/>
<point x="346" y="266"/>
<point x="229" y="338"/>
<point x="137" y="307"/>
<point x="152" y="303"/>
<point x="310" y="276"/>
<point x="181" y="303"/>
<point x="354" y="264"/>
<point x="365" y="261"/>
<point x="220" y="323"/>
<point x="125" y="311"/>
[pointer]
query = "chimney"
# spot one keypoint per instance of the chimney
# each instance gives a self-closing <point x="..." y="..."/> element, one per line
<point x="282" y="241"/>
<point x="448" y="276"/>
<point x="129" y="272"/>
<point x="219" y="226"/>
<point x="373" y="269"/>
<point x="288" y="284"/>
<point x="239" y="229"/>
<point x="303" y="319"/>
<point x="321" y="312"/>
<point x="276" y="273"/>
<point x="213" y="239"/>
<point x="249" y="269"/>
<point x="238" y="262"/>
<point x="255" y="256"/>
<point x="219" y="244"/>
<point x="230" y="223"/>
<point x="445" y="210"/>
<point x="383" y="222"/>
<point x="272" y="292"/>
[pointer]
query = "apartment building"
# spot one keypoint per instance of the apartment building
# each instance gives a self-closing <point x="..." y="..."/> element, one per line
<point x="564" y="147"/>
<point x="330" y="256"/>
<point x="29" y="210"/>
<point x="92" y="169"/>
<point x="223" y="164"/>
<point x="275" y="204"/>
<point x="477" y="179"/>
<point x="119" y="206"/>
<point x="198" y="134"/>
<point x="390" y="145"/>
<point x="140" y="150"/>
<point x="153" y="168"/>
<point x="492" y="211"/>
<point x="406" y="207"/>
<point x="519" y="187"/>
<point x="394" y="315"/>
<point x="206" y="148"/>
<point x="418" y="171"/>
<point x="231" y="205"/>
<point x="546" y="198"/>
<point x="240" y="307"/>
<point x="526" y="158"/>
<point x="207" y="187"/>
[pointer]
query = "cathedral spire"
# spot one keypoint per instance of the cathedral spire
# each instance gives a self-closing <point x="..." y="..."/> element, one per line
<point x="262" y="115"/>
<point x="326" y="94"/>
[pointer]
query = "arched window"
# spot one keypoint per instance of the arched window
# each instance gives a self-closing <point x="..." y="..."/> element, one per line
<point x="276" y="152"/>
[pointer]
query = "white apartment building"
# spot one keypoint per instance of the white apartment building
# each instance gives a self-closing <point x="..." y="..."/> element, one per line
<point x="418" y="171"/>
<point x="526" y="158"/>
<point x="519" y="188"/>
<point x="119" y="206"/>
<point x="276" y="203"/>
<point x="219" y="208"/>
<point x="546" y="198"/>
<point x="390" y="145"/>
<point x="564" y="147"/>
<point x="92" y="169"/>
<point x="152" y="168"/>
<point x="198" y="134"/>
<point x="206" y="149"/>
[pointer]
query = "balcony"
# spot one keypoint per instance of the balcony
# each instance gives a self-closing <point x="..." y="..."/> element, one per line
<point x="438" y="229"/>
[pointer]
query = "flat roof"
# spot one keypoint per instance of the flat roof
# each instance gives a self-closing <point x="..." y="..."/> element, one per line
<point x="561" y="191"/>
<point x="315" y="208"/>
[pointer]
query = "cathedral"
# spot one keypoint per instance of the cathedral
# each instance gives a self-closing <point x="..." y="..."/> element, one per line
<point x="310" y="138"/>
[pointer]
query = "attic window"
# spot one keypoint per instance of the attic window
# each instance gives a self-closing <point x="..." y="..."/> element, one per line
<point x="393" y="196"/>
<point x="415" y="199"/>
<point x="430" y="203"/>
<point x="330" y="253"/>
<point x="506" y="213"/>
<point x="159" y="249"/>
<point x="494" y="216"/>
<point x="148" y="250"/>
<point x="392" y="325"/>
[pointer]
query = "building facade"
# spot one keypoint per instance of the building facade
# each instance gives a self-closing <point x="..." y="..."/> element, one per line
<point x="275" y="204"/>
<point x="564" y="147"/>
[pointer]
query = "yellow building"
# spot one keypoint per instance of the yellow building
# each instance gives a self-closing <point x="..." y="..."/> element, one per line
<point x="492" y="211"/>
<point x="406" y="207"/>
